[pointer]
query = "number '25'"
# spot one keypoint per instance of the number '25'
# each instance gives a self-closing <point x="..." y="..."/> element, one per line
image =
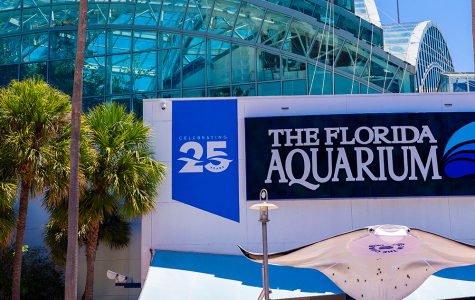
<point x="193" y="164"/>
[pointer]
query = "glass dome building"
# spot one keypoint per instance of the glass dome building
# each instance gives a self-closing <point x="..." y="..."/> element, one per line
<point x="138" y="49"/>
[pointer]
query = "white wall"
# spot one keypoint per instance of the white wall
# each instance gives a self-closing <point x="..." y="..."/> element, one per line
<point x="179" y="227"/>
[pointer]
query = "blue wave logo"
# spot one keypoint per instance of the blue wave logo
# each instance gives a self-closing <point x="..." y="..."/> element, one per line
<point x="459" y="153"/>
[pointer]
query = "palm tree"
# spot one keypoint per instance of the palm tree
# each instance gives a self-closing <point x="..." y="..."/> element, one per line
<point x="122" y="180"/>
<point x="71" y="285"/>
<point x="35" y="128"/>
<point x="8" y="192"/>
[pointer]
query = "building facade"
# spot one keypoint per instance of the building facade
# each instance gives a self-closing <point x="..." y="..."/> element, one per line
<point x="457" y="82"/>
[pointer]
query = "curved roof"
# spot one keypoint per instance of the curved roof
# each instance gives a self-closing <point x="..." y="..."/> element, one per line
<point x="368" y="10"/>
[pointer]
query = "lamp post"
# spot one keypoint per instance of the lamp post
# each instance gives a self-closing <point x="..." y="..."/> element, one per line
<point x="264" y="207"/>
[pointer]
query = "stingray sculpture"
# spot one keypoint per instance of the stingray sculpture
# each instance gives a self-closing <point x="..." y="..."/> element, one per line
<point x="383" y="262"/>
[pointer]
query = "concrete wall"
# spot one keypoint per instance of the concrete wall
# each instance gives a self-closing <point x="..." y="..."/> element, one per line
<point x="179" y="227"/>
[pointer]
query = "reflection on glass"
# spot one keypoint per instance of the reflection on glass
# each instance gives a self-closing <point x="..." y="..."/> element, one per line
<point x="28" y="3"/>
<point x="147" y="12"/>
<point x="244" y="90"/>
<point x="169" y="94"/>
<point x="121" y="14"/>
<point x="137" y="103"/>
<point x="366" y="34"/>
<point x="172" y="13"/>
<point x="9" y="21"/>
<point x="273" y="29"/>
<point x="118" y="41"/>
<point x="223" y="17"/>
<point x="94" y="75"/>
<point x="349" y="25"/>
<point x="120" y="100"/>
<point x="145" y="40"/>
<point x="34" y="47"/>
<point x="294" y="87"/>
<point x="10" y="4"/>
<point x="219" y="61"/>
<point x="118" y="74"/>
<point x="284" y="3"/>
<point x="7" y="74"/>
<point x="248" y="22"/>
<point x="343" y="85"/>
<point x="145" y="71"/>
<point x="320" y="82"/>
<point x="219" y="92"/>
<point x="34" y="69"/>
<point x="293" y="69"/>
<point x="377" y="70"/>
<point x="195" y="93"/>
<point x="303" y="6"/>
<point x="397" y="82"/>
<point x="349" y="61"/>
<point x="324" y="15"/>
<point x="268" y="66"/>
<point x="63" y="44"/>
<point x="90" y="103"/>
<point x="169" y="65"/>
<point x="10" y="50"/>
<point x="95" y="42"/>
<point x="299" y="37"/>
<point x="35" y="18"/>
<point x="61" y="75"/>
<point x="193" y="61"/>
<point x="243" y="64"/>
<point x="269" y="89"/>
<point x="65" y="15"/>
<point x="168" y="40"/>
<point x="197" y="15"/>
<point x="97" y="14"/>
<point x="325" y="47"/>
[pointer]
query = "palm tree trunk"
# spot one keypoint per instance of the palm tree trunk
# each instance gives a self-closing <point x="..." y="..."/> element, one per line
<point x="71" y="285"/>
<point x="20" y="234"/>
<point x="91" y="249"/>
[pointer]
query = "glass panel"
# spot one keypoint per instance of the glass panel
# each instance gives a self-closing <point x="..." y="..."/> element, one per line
<point x="65" y="15"/>
<point x="28" y="3"/>
<point x="193" y="61"/>
<point x="326" y="47"/>
<point x="471" y="85"/>
<point x="248" y="22"/>
<point x="35" y="18"/>
<point x="396" y="85"/>
<point x="90" y="103"/>
<point x="294" y="87"/>
<point x="94" y="76"/>
<point x="391" y="70"/>
<point x="223" y="17"/>
<point x="377" y="39"/>
<point x="460" y="85"/>
<point x="118" y="41"/>
<point x="168" y="40"/>
<point x="10" y="4"/>
<point x="243" y="64"/>
<point x="7" y="74"/>
<point x="121" y="14"/>
<point x="10" y="50"/>
<point x="244" y="90"/>
<point x="145" y="40"/>
<point x="300" y="37"/>
<point x="293" y="69"/>
<point x="349" y="25"/>
<point x="95" y="42"/>
<point x="346" y="4"/>
<point x="372" y="91"/>
<point x="343" y="85"/>
<point x="97" y="14"/>
<point x="364" y="89"/>
<point x="137" y="103"/>
<point x="145" y="71"/>
<point x="34" y="47"/>
<point x="303" y="6"/>
<point x="219" y="92"/>
<point x="120" y="100"/>
<point x="118" y="74"/>
<point x="9" y="21"/>
<point x="197" y="15"/>
<point x="323" y="15"/>
<point x="61" y="75"/>
<point x="268" y="66"/>
<point x="63" y="44"/>
<point x="366" y="34"/>
<point x="34" y="69"/>
<point x="147" y="12"/>
<point x="172" y="13"/>
<point x="273" y="29"/>
<point x="196" y="93"/>
<point x="284" y="3"/>
<point x="219" y="61"/>
<point x="319" y="81"/>
<point x="349" y="61"/>
<point x="269" y="89"/>
<point x="375" y="71"/>
<point x="169" y="94"/>
<point x="64" y="1"/>
<point x="169" y="64"/>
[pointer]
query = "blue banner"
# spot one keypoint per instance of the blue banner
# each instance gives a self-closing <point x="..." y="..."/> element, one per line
<point x="205" y="171"/>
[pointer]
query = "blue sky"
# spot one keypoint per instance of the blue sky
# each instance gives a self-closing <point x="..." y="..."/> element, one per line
<point x="453" y="17"/>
